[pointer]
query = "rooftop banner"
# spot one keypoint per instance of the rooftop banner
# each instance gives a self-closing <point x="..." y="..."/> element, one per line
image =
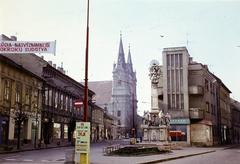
<point x="23" y="47"/>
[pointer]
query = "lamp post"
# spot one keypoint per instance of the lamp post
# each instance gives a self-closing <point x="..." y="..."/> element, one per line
<point x="86" y="68"/>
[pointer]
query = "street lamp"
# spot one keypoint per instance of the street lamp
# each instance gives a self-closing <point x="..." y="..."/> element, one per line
<point x="86" y="68"/>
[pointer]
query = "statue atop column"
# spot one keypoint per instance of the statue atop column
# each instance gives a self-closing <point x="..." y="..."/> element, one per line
<point x="154" y="71"/>
<point x="155" y="123"/>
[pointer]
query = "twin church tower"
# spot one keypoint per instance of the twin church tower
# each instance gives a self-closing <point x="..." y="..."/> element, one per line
<point x="123" y="103"/>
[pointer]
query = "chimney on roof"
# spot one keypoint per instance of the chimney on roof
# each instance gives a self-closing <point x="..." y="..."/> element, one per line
<point x="42" y="57"/>
<point x="60" y="69"/>
<point x="206" y="66"/>
<point x="50" y="62"/>
<point x="54" y="65"/>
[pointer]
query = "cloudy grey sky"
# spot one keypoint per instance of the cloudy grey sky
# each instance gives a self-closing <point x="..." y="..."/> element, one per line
<point x="209" y="29"/>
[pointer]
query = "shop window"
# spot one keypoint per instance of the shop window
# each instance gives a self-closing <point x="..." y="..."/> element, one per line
<point x="178" y="132"/>
<point x="65" y="132"/>
<point x="56" y="130"/>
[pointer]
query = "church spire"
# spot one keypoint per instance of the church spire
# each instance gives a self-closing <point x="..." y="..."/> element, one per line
<point x="121" y="58"/>
<point x="129" y="61"/>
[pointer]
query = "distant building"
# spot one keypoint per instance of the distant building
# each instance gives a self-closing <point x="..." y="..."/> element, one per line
<point x="235" y="111"/>
<point x="103" y="90"/>
<point x="97" y="124"/>
<point x="118" y="97"/>
<point x="197" y="100"/>
<point x="123" y="104"/>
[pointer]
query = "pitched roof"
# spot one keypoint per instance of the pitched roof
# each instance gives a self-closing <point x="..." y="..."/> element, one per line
<point x="121" y="55"/>
<point x="103" y="90"/>
<point x="11" y="63"/>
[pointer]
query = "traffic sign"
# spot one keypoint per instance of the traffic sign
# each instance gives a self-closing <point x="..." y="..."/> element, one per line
<point x="78" y="103"/>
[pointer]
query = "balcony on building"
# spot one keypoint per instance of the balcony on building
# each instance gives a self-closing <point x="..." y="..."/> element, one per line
<point x="196" y="113"/>
<point x="195" y="90"/>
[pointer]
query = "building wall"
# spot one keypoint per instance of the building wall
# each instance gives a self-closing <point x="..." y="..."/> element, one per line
<point x="175" y="89"/>
<point x="201" y="135"/>
<point x="235" y="112"/>
<point x="191" y="94"/>
<point x="97" y="124"/>
<point x="175" y="81"/>
<point x="28" y="101"/>
<point x="226" y="120"/>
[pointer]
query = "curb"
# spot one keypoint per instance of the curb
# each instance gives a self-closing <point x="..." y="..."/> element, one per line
<point x="178" y="157"/>
<point x="32" y="149"/>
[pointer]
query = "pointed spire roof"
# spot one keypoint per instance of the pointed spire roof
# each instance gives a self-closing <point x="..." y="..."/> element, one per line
<point x="129" y="60"/>
<point x="121" y="58"/>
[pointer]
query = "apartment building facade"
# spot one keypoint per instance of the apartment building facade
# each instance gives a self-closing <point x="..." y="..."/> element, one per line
<point x="20" y="104"/>
<point x="195" y="99"/>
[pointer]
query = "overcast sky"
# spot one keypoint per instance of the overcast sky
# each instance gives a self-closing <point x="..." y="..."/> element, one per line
<point x="209" y="29"/>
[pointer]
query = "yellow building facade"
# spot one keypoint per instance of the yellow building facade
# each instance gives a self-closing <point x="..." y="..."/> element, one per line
<point x="20" y="104"/>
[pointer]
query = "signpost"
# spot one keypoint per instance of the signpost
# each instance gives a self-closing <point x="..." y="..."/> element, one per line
<point x="82" y="144"/>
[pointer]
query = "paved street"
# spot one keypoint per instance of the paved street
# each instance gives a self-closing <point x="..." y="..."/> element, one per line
<point x="227" y="156"/>
<point x="38" y="156"/>
<point x="57" y="156"/>
<point x="54" y="155"/>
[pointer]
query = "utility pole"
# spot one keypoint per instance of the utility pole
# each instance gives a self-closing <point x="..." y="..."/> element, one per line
<point x="86" y="68"/>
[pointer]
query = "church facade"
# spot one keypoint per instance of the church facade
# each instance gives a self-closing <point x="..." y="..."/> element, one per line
<point x="123" y="104"/>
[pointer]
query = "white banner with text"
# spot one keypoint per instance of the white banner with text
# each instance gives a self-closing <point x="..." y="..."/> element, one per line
<point x="23" y="47"/>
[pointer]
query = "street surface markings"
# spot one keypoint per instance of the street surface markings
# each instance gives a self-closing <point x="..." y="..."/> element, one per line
<point x="27" y="160"/>
<point x="60" y="160"/>
<point x="9" y="159"/>
<point x="45" y="160"/>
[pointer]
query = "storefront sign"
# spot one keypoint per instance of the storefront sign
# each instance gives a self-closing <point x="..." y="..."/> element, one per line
<point x="179" y="121"/>
<point x="82" y="137"/>
<point x="24" y="47"/>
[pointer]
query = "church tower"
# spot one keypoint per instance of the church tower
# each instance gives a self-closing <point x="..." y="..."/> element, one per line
<point x="123" y="103"/>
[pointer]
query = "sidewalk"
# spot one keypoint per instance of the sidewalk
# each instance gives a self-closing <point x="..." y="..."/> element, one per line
<point x="30" y="147"/>
<point x="97" y="156"/>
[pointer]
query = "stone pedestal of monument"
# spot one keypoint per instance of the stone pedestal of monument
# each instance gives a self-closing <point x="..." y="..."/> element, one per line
<point x="155" y="134"/>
